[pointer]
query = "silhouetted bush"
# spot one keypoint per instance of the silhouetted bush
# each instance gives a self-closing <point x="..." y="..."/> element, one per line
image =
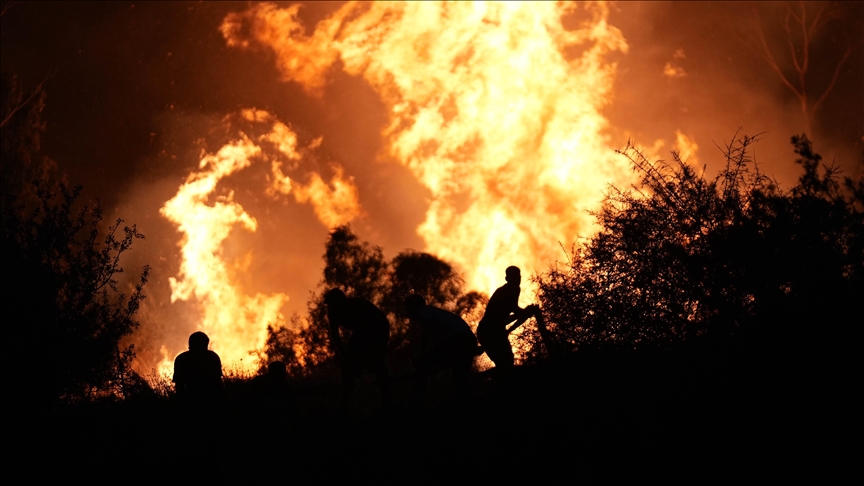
<point x="680" y="257"/>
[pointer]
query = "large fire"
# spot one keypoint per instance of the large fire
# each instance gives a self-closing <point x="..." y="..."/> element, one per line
<point x="235" y="322"/>
<point x="496" y="108"/>
<point x="486" y="108"/>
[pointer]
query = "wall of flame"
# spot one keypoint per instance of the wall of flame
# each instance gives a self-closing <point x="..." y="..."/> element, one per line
<point x="235" y="321"/>
<point x="485" y="109"/>
<point x="495" y="108"/>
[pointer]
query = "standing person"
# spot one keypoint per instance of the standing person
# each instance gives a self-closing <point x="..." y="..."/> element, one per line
<point x="367" y="346"/>
<point x="446" y="341"/>
<point x="198" y="372"/>
<point x="502" y="309"/>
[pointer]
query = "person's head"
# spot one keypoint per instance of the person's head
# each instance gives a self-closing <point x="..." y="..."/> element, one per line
<point x="513" y="275"/>
<point x="413" y="304"/>
<point x="198" y="341"/>
<point x="276" y="370"/>
<point x="334" y="297"/>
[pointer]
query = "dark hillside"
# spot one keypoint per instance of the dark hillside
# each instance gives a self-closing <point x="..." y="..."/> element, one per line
<point x="695" y="413"/>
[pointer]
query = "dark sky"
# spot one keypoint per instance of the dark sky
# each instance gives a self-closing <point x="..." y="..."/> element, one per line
<point x="132" y="86"/>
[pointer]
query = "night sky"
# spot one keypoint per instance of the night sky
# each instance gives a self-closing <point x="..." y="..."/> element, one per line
<point x="136" y="90"/>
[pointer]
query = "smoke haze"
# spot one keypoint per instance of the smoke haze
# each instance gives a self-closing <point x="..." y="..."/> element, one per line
<point x="138" y="93"/>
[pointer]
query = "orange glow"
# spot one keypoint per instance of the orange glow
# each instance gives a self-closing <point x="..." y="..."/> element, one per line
<point x="687" y="148"/>
<point x="235" y="321"/>
<point x="486" y="108"/>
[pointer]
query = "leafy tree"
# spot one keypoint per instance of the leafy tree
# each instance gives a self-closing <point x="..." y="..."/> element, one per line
<point x="62" y="302"/>
<point x="680" y="257"/>
<point x="361" y="270"/>
<point x="421" y="273"/>
<point x="413" y="272"/>
<point x="283" y="341"/>
<point x="471" y="306"/>
<point x="357" y="268"/>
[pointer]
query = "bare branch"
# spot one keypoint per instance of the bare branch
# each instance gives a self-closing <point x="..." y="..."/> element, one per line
<point x="805" y="47"/>
<point x="823" y="15"/>
<point x="833" y="78"/>
<point x="791" y="44"/>
<point x="769" y="58"/>
<point x="6" y="8"/>
<point x="792" y="12"/>
<point x="24" y="103"/>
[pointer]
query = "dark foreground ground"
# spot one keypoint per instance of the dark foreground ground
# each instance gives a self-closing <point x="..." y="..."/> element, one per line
<point x="689" y="416"/>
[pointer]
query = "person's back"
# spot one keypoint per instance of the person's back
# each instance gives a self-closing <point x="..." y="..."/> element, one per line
<point x="446" y="342"/>
<point x="198" y="372"/>
<point x="360" y="316"/>
<point x="439" y="325"/>
<point x="273" y="387"/>
<point x="367" y="346"/>
<point x="274" y="403"/>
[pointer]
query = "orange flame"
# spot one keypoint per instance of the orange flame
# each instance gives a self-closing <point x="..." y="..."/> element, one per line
<point x="486" y="109"/>
<point x="236" y="322"/>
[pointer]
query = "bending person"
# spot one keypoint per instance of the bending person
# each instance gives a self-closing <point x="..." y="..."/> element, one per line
<point x="446" y="341"/>
<point x="502" y="309"/>
<point x="367" y="346"/>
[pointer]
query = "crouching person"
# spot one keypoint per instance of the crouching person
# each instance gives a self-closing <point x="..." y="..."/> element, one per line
<point x="367" y="346"/>
<point x="446" y="342"/>
<point x="275" y="403"/>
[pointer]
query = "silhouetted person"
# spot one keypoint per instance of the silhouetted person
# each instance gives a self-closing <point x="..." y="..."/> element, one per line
<point x="275" y="401"/>
<point x="198" y="372"/>
<point x="502" y="309"/>
<point x="367" y="346"/>
<point x="446" y="341"/>
<point x="273" y="387"/>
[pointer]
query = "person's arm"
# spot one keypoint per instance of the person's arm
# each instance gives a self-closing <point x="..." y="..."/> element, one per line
<point x="335" y="339"/>
<point x="522" y="316"/>
<point x="179" y="378"/>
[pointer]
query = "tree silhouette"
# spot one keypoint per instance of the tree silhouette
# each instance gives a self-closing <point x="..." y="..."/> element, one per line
<point x="421" y="273"/>
<point x="62" y="301"/>
<point x="360" y="270"/>
<point x="356" y="267"/>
